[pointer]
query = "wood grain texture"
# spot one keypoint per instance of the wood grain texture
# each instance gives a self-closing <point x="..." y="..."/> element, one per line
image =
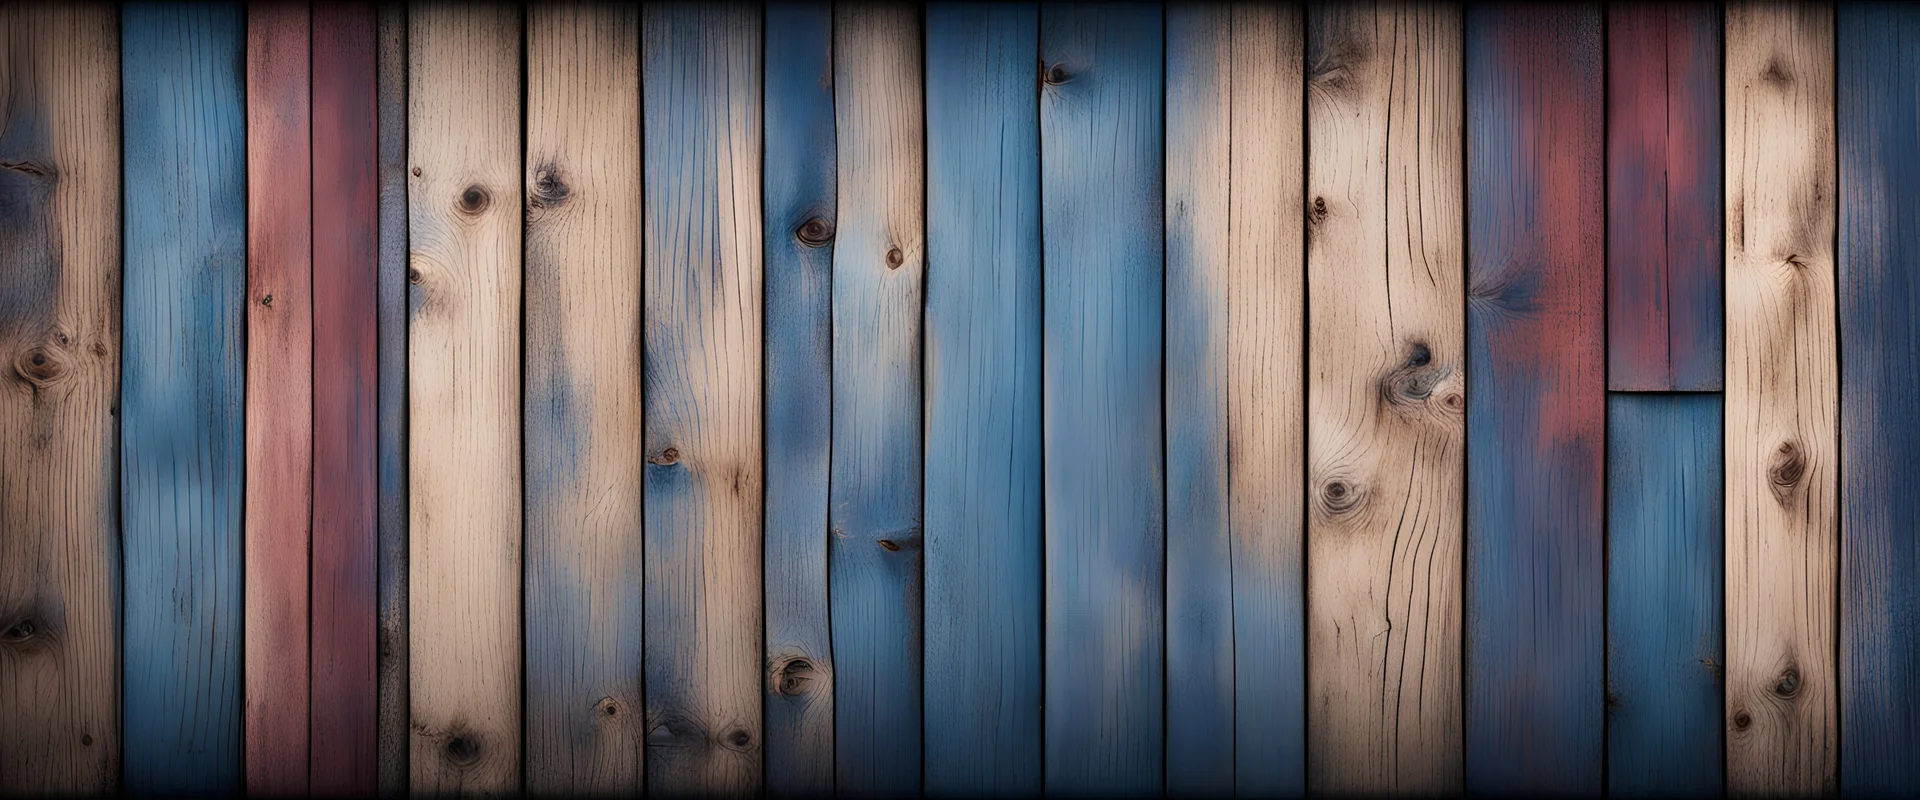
<point x="585" y="726"/>
<point x="1665" y="595"/>
<point x="1664" y="311"/>
<point x="875" y="492"/>
<point x="1878" y="81"/>
<point x="1782" y="460"/>
<point x="1536" y="357"/>
<point x="983" y="481"/>
<point x="464" y="219"/>
<point x="60" y="338"/>
<point x="799" y="200"/>
<point x="183" y="453"/>
<point x="346" y="239"/>
<point x="1386" y="397"/>
<point x="279" y="416"/>
<point x="700" y="70"/>
<point x="391" y="107"/>
<point x="1101" y="177"/>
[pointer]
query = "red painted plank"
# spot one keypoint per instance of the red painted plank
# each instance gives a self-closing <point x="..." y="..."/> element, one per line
<point x="346" y="236"/>
<point x="279" y="404"/>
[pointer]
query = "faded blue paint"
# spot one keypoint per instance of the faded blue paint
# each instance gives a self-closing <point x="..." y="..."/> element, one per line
<point x="394" y="725"/>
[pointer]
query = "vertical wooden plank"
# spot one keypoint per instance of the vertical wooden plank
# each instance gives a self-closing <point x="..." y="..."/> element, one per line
<point x="183" y="452"/>
<point x="1879" y="93"/>
<point x="585" y="725"/>
<point x="60" y="336"/>
<point x="1782" y="459"/>
<point x="799" y="198"/>
<point x="391" y="746"/>
<point x="1387" y="395"/>
<point x="1664" y="595"/>
<point x="345" y="379"/>
<point x="1535" y="338"/>
<point x="464" y="217"/>
<point x="983" y="523"/>
<point x="701" y="78"/>
<point x="874" y="504"/>
<point x="1664" y="250"/>
<point x="1101" y="177"/>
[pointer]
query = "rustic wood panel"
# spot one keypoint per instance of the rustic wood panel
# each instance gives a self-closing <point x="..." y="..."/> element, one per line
<point x="60" y="336"/>
<point x="1664" y="249"/>
<point x="875" y="492"/>
<point x="983" y="515"/>
<point x="1386" y="397"/>
<point x="1665" y="595"/>
<point x="1782" y="459"/>
<point x="391" y="77"/>
<point x="701" y="75"/>
<point x="1101" y="177"/>
<point x="1535" y="338"/>
<point x="464" y="219"/>
<point x="183" y="455"/>
<point x="585" y="726"/>
<point x="799" y="196"/>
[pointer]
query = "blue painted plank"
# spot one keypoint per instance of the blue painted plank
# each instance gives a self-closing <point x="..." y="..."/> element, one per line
<point x="1879" y="99"/>
<point x="1101" y="177"/>
<point x="391" y="75"/>
<point x="1665" y="595"/>
<point x="183" y="376"/>
<point x="983" y="482"/>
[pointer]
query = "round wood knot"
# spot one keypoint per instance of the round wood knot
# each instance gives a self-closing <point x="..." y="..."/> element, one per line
<point x="413" y="276"/>
<point x="1787" y="686"/>
<point x="549" y="189"/>
<point x="474" y="199"/>
<point x="738" y="738"/>
<point x="39" y="367"/>
<point x="1340" y="496"/>
<point x="20" y="631"/>
<point x="267" y="301"/>
<point x="1319" y="212"/>
<point x="796" y="677"/>
<point x="667" y="457"/>
<point x="462" y="751"/>
<point x="1742" y="720"/>
<point x="416" y="172"/>
<point x="1054" y="75"/>
<point x="608" y="707"/>
<point x="86" y="740"/>
<point x="895" y="258"/>
<point x="1787" y="469"/>
<point x="1414" y="380"/>
<point x="1777" y="72"/>
<point x="815" y="232"/>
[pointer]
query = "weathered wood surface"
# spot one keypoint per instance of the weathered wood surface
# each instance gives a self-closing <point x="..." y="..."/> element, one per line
<point x="464" y="220"/>
<point x="1665" y="595"/>
<point x="1387" y="389"/>
<point x="182" y="403"/>
<point x="1664" y="251"/>
<point x="983" y="483"/>
<point x="1782" y="456"/>
<point x="874" y="509"/>
<point x="700" y="73"/>
<point x="1535" y="679"/>
<point x="60" y="338"/>
<point x="1101" y="180"/>
<point x="391" y="346"/>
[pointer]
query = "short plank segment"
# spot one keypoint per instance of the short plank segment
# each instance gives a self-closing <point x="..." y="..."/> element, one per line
<point x="1386" y="398"/>
<point x="1879" y="95"/>
<point x="1536" y="359"/>
<point x="800" y="204"/>
<point x="1782" y="459"/>
<point x="585" y="726"/>
<point x="1101" y="177"/>
<point x="874" y="505"/>
<point x="279" y="418"/>
<point x="464" y="218"/>
<point x="1664" y="250"/>
<point x="700" y="73"/>
<point x="60" y="338"/>
<point x="391" y="646"/>
<point x="1665" y="595"/>
<point x="346" y="242"/>
<point x="983" y="522"/>
<point x="183" y="455"/>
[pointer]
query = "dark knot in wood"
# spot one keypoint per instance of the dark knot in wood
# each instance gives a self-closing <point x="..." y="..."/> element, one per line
<point x="1787" y="686"/>
<point x="1742" y="720"/>
<point x="1787" y="469"/>
<point x="474" y="200"/>
<point x="895" y="258"/>
<point x="796" y="677"/>
<point x="1318" y="213"/>
<point x="462" y="751"/>
<point x="1054" y="75"/>
<point x="815" y="232"/>
<point x="550" y="190"/>
<point x="667" y="457"/>
<point x="39" y="367"/>
<point x="21" y="631"/>
<point x="1338" y="497"/>
<point x="739" y="738"/>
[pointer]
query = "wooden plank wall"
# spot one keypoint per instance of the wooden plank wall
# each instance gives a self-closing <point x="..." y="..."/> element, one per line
<point x="393" y="725"/>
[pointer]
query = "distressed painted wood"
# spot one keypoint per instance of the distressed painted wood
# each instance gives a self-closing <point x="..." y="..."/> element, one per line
<point x="1535" y="678"/>
<point x="60" y="338"/>
<point x="1665" y="595"/>
<point x="1386" y="394"/>
<point x="391" y="347"/>
<point x="875" y="493"/>
<point x="1101" y="178"/>
<point x="585" y="720"/>
<point x="700" y="73"/>
<point x="1782" y="460"/>
<point x="183" y="455"/>
<point x="464" y="499"/>
<point x="346" y="240"/>
<point x="1664" y="250"/>
<point x="799" y="202"/>
<point x="1879" y="93"/>
<point x="983" y="483"/>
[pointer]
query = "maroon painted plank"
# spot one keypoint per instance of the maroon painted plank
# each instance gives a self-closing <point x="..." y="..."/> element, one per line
<point x="1665" y="310"/>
